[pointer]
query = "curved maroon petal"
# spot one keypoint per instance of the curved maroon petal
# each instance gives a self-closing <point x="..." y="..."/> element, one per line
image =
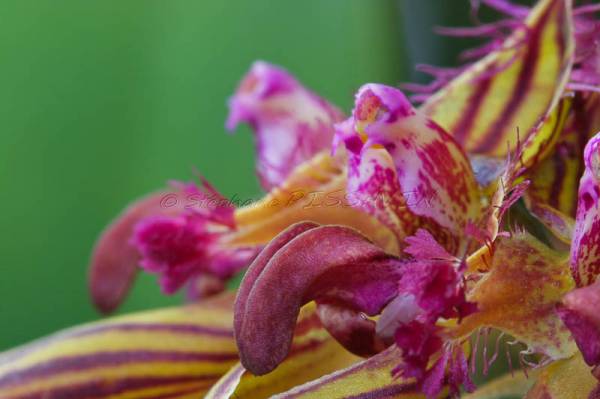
<point x="114" y="260"/>
<point x="329" y="264"/>
<point x="352" y="329"/>
<point x="204" y="286"/>
<point x="257" y="267"/>
<point x="579" y="312"/>
<point x="176" y="234"/>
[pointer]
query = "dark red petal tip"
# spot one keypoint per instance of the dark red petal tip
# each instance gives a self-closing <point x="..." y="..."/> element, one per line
<point x="327" y="264"/>
<point x="257" y="267"/>
<point x="352" y="329"/>
<point x="114" y="261"/>
<point x="579" y="312"/>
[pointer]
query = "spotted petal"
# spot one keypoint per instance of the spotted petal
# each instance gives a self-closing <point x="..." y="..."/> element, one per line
<point x="509" y="385"/>
<point x="315" y="191"/>
<point x="424" y="163"/>
<point x="565" y="379"/>
<point x="518" y="295"/>
<point x="175" y="352"/>
<point x="291" y="123"/>
<point x="374" y="188"/>
<point x="512" y="88"/>
<point x="585" y="249"/>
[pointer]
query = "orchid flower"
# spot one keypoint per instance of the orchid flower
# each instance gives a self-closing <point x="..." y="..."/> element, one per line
<point x="193" y="236"/>
<point x="400" y="251"/>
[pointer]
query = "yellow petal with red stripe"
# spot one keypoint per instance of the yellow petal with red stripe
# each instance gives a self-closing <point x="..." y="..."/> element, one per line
<point x="565" y="379"/>
<point x="174" y="352"/>
<point x="371" y="378"/>
<point x="508" y="385"/>
<point x="519" y="294"/>
<point x="314" y="191"/>
<point x="314" y="353"/>
<point x="541" y="142"/>
<point x="555" y="180"/>
<point x="552" y="194"/>
<point x="560" y="224"/>
<point x="512" y="88"/>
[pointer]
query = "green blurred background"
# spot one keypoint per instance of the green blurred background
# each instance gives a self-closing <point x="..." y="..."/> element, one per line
<point x="103" y="101"/>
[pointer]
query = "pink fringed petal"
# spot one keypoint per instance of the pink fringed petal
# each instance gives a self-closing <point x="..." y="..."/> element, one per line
<point x="181" y="247"/>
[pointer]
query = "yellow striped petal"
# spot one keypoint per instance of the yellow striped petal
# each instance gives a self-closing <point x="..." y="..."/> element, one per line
<point x="552" y="194"/>
<point x="565" y="379"/>
<point x="555" y="180"/>
<point x="546" y="134"/>
<point x="560" y="224"/>
<point x="512" y="88"/>
<point x="371" y="378"/>
<point x="174" y="352"/>
<point x="314" y="353"/>
<point x="315" y="191"/>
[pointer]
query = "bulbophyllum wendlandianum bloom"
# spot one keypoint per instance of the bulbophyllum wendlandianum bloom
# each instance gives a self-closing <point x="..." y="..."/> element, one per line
<point x="458" y="228"/>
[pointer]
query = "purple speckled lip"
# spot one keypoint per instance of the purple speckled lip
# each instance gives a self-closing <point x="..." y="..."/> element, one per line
<point x="395" y="150"/>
